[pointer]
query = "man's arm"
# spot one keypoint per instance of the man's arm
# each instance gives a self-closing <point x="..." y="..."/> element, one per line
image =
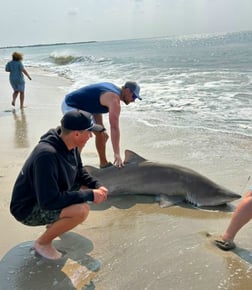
<point x="112" y="101"/>
<point x="48" y="193"/>
<point x="83" y="177"/>
<point x="114" y="113"/>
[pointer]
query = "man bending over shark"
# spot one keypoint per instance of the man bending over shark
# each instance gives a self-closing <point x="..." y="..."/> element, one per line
<point x="99" y="99"/>
<point x="53" y="187"/>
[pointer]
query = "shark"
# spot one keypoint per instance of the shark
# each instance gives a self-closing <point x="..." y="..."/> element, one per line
<point x="172" y="184"/>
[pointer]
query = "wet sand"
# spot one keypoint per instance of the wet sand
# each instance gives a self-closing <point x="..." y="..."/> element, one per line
<point x="139" y="245"/>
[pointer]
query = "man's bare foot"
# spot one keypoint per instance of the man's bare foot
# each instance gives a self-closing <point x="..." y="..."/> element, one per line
<point x="47" y="251"/>
<point x="13" y="104"/>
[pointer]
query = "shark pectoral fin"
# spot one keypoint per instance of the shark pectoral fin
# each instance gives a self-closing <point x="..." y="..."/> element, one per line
<point x="166" y="201"/>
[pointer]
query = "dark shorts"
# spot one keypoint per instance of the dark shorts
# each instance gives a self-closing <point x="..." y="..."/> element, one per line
<point x="39" y="217"/>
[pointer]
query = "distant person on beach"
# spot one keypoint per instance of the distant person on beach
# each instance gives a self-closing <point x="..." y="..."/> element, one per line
<point x="17" y="71"/>
<point x="53" y="187"/>
<point x="241" y="216"/>
<point x="99" y="99"/>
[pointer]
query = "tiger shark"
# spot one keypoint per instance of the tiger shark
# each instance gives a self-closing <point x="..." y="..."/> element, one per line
<point x="172" y="183"/>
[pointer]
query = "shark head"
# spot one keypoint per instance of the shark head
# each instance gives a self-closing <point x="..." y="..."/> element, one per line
<point x="213" y="197"/>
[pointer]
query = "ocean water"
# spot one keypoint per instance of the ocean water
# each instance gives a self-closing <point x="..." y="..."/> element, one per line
<point x="200" y="81"/>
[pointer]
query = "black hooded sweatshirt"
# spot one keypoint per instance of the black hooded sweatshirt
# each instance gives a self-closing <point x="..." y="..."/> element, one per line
<point x="48" y="176"/>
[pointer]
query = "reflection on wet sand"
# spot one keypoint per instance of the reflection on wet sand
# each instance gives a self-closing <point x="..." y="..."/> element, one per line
<point x="21" y="138"/>
<point x="147" y="247"/>
<point x="183" y="209"/>
<point x="22" y="270"/>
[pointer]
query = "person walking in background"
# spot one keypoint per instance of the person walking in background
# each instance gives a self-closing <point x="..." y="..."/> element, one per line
<point x="17" y="71"/>
<point x="53" y="187"/>
<point x="99" y="99"/>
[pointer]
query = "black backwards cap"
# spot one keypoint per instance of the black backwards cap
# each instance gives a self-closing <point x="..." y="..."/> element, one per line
<point x="80" y="120"/>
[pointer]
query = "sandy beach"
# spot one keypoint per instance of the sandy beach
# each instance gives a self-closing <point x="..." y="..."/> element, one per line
<point x="138" y="244"/>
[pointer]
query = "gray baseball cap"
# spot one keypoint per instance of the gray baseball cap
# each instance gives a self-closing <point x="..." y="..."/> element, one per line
<point x="135" y="89"/>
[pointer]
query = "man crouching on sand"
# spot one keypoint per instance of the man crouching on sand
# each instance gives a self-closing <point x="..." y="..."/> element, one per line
<point x="45" y="190"/>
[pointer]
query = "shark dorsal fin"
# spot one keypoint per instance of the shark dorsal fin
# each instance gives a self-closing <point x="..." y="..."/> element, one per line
<point x="132" y="157"/>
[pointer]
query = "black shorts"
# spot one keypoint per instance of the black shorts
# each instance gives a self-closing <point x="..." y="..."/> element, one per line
<point x="39" y="217"/>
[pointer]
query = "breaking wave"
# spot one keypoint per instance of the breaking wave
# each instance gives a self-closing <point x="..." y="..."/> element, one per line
<point x="65" y="58"/>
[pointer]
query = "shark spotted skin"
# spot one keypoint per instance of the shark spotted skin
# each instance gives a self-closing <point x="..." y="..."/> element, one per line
<point x="172" y="183"/>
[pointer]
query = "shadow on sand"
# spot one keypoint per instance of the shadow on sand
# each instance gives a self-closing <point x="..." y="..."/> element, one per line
<point x="20" y="269"/>
<point x="244" y="254"/>
<point x="128" y="201"/>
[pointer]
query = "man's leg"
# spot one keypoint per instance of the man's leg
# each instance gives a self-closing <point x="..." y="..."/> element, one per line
<point x="242" y="215"/>
<point x="100" y="143"/>
<point x="101" y="139"/>
<point x="70" y="217"/>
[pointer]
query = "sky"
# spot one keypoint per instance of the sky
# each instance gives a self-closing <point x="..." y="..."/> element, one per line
<point x="30" y="22"/>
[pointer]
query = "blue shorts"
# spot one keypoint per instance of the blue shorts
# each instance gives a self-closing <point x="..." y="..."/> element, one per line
<point x="39" y="217"/>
